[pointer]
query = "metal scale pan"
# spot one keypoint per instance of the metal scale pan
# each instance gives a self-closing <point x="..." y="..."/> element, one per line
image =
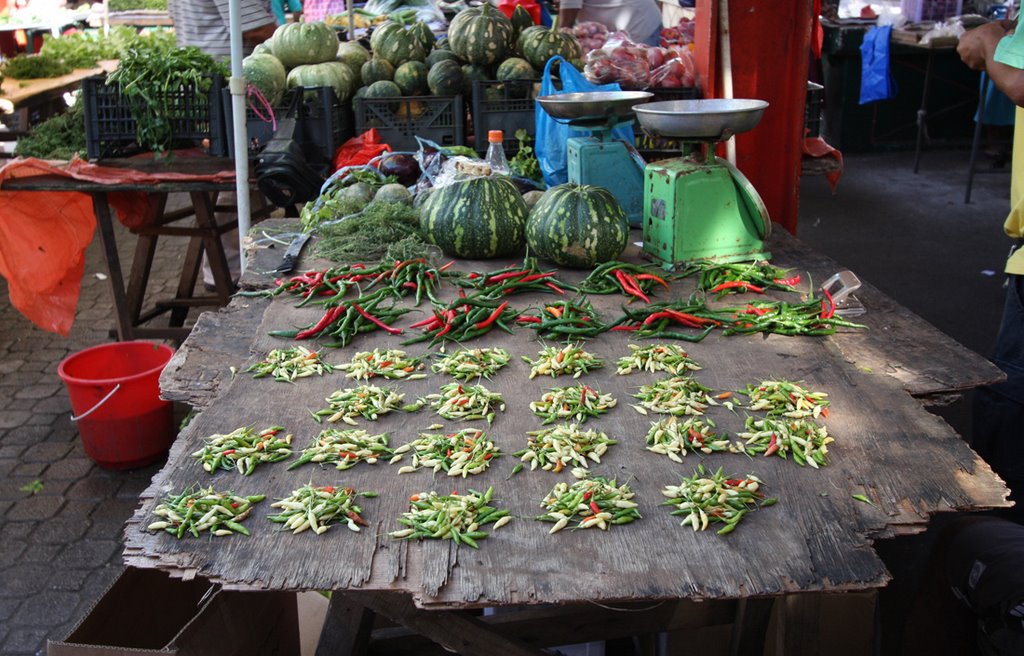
<point x="713" y="119"/>
<point x="591" y="107"/>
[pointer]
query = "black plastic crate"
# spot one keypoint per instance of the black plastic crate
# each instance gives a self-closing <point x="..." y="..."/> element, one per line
<point x="506" y="106"/>
<point x="813" y="109"/>
<point x="324" y="124"/>
<point x="110" y="129"/>
<point x="399" y="120"/>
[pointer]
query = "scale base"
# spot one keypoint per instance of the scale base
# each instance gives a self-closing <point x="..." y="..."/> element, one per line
<point x="608" y="164"/>
<point x="697" y="211"/>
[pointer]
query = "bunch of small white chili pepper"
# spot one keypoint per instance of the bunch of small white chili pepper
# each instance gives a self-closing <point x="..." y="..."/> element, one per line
<point x="805" y="440"/>
<point x="315" y="508"/>
<point x="463" y="454"/>
<point x="577" y="403"/>
<point x="558" y="447"/>
<point x="570" y="360"/>
<point x="285" y="365"/>
<point x="781" y="397"/>
<point x="205" y="509"/>
<point x="450" y="516"/>
<point x="345" y="448"/>
<point x="386" y="363"/>
<point x="674" y="436"/>
<point x="243" y="449"/>
<point x="463" y="402"/>
<point x="466" y="364"/>
<point x="670" y="358"/>
<point x="366" y="401"/>
<point x="680" y="395"/>
<point x="597" y="502"/>
<point x="705" y="499"/>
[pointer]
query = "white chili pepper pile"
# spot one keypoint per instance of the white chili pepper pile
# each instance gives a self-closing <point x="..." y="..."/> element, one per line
<point x="781" y="397"/>
<point x="366" y="401"/>
<point x="345" y="448"/>
<point x="463" y="402"/>
<point x="569" y="360"/>
<point x="577" y="403"/>
<point x="670" y="358"/>
<point x="674" y="436"/>
<point x="315" y="508"/>
<point x="464" y="453"/>
<point x="385" y="363"/>
<point x="558" y="447"/>
<point x="285" y="365"/>
<point x="680" y="395"/>
<point x="467" y="364"/>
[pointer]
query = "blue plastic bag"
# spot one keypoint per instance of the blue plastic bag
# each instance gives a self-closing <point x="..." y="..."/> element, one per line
<point x="876" y="82"/>
<point x="551" y="134"/>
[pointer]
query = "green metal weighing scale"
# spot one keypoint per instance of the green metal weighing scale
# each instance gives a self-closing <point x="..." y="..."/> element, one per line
<point x="699" y="206"/>
<point x="593" y="156"/>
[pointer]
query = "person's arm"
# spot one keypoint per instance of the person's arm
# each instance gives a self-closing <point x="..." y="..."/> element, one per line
<point x="978" y="49"/>
<point x="567" y="15"/>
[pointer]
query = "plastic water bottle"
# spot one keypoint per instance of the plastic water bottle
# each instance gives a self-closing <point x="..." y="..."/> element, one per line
<point x="496" y="152"/>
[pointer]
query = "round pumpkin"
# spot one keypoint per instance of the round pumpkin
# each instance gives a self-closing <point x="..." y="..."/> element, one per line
<point x="539" y="44"/>
<point x="264" y="48"/>
<point x="516" y="68"/>
<point x="424" y="35"/>
<point x="481" y="35"/>
<point x="375" y="70"/>
<point x="438" y="55"/>
<point x="332" y="74"/>
<point x="476" y="218"/>
<point x="411" y="78"/>
<point x="304" y="43"/>
<point x="521" y="19"/>
<point x="266" y="73"/>
<point x="445" y="78"/>
<point x="353" y="54"/>
<point x="577" y="226"/>
<point x="471" y="73"/>
<point x="397" y="45"/>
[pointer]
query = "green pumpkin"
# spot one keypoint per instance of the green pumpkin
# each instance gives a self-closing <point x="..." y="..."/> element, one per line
<point x="521" y="19"/>
<point x="445" y="79"/>
<point x="472" y="73"/>
<point x="516" y="68"/>
<point x="539" y="44"/>
<point x="396" y="44"/>
<point x="411" y="78"/>
<point x="424" y="35"/>
<point x="376" y="70"/>
<point x="442" y="43"/>
<point x="439" y="55"/>
<point x="266" y="73"/>
<point x="304" y="43"/>
<point x="353" y="54"/>
<point x="264" y="48"/>
<point x="476" y="218"/>
<point x="481" y="35"/>
<point x="383" y="89"/>
<point x="577" y="226"/>
<point x="332" y="74"/>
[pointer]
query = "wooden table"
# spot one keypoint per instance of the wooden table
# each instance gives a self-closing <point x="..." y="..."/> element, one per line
<point x="203" y="232"/>
<point x="28" y="101"/>
<point x="817" y="538"/>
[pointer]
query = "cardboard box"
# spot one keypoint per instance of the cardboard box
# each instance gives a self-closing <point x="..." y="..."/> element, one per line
<point x="146" y="612"/>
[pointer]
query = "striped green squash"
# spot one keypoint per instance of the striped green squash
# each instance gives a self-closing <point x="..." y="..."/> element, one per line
<point x="304" y="43"/>
<point x="577" y="226"/>
<point x="439" y="55"/>
<point x="539" y="44"/>
<point x="396" y="44"/>
<point x="481" y="35"/>
<point x="411" y="78"/>
<point x="521" y="20"/>
<point x="376" y="70"/>
<point x="445" y="78"/>
<point x="477" y="218"/>
<point x="424" y="35"/>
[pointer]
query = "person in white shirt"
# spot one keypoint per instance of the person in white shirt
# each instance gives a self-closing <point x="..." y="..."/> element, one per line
<point x="641" y="19"/>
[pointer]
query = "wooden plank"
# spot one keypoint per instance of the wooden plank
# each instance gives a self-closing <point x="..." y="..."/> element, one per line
<point x="347" y="628"/>
<point x="19" y="92"/>
<point x="907" y="461"/>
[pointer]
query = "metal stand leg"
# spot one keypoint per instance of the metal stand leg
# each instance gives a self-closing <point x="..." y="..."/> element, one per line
<point x="976" y="143"/>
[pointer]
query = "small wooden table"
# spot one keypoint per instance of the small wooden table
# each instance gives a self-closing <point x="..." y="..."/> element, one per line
<point x="816" y="539"/>
<point x="25" y="101"/>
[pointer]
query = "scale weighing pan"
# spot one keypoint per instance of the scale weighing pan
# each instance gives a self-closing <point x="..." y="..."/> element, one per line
<point x="593" y="105"/>
<point x="712" y="118"/>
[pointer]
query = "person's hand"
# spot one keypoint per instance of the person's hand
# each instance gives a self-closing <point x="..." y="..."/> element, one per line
<point x="977" y="46"/>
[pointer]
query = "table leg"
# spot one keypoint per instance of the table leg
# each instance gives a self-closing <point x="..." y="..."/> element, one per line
<point x="750" y="628"/>
<point x="142" y="264"/>
<point x="205" y="217"/>
<point x="976" y="142"/>
<point x="347" y="628"/>
<point x="922" y="114"/>
<point x="101" y="209"/>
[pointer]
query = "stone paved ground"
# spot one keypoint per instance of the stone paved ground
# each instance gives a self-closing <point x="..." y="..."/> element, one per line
<point x="59" y="548"/>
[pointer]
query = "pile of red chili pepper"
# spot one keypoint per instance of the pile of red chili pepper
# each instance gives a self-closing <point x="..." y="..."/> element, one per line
<point x="663" y="321"/>
<point x="742" y="277"/>
<point x="565" y="321"/>
<point x="614" y="277"/>
<point x="465" y="318"/>
<point x="347" y="319"/>
<point x="402" y="278"/>
<point x="515" y="280"/>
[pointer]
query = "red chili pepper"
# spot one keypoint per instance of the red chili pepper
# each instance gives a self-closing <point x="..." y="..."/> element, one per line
<point x="651" y="276"/>
<point x="326" y="320"/>
<point x="692" y="318"/>
<point x="824" y="413"/>
<point x="625" y="328"/>
<point x="756" y="311"/>
<point x="329" y="489"/>
<point x="587" y="495"/>
<point x="696" y="436"/>
<point x="228" y="452"/>
<point x="630" y="285"/>
<point x="594" y="508"/>
<point x="773" y="446"/>
<point x="447" y="266"/>
<point x="789" y="282"/>
<point x="473" y="276"/>
<point x="494" y="316"/>
<point x="734" y="284"/>
<point x="554" y="287"/>
<point x="409" y="285"/>
<point x="488" y="456"/>
<point x="357" y="519"/>
<point x="651" y="318"/>
<point x="525" y="319"/>
<point x="426" y="322"/>
<point x="536" y="276"/>
<point x="505" y="276"/>
<point x="583" y="394"/>
<point x="831" y="305"/>
<point x="733" y="481"/>
<point x="377" y="322"/>
<point x="449" y="317"/>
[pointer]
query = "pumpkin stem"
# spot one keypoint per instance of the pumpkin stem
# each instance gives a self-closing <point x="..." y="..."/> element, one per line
<point x="554" y="23"/>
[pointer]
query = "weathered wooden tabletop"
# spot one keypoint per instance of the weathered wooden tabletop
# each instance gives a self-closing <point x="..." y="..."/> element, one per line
<point x="906" y="460"/>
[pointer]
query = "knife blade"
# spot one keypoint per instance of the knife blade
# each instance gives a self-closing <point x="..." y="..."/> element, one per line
<point x="291" y="255"/>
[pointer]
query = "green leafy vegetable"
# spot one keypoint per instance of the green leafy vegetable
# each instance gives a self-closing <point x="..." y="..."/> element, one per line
<point x="524" y="163"/>
<point x="382" y="229"/>
<point x="85" y="48"/>
<point x="59" y="137"/>
<point x="34" y="67"/>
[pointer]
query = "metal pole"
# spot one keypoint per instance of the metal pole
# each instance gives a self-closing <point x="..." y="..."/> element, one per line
<point x="236" y="84"/>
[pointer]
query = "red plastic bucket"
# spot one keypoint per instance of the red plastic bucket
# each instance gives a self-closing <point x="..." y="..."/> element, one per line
<point x="115" y="396"/>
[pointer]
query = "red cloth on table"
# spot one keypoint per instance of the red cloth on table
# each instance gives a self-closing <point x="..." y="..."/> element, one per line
<point x="817" y="147"/>
<point x="43" y="235"/>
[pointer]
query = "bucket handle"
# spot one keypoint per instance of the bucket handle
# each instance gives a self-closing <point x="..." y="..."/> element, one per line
<point x="97" y="406"/>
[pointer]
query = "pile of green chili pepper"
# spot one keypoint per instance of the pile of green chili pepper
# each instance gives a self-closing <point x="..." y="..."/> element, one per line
<point x="194" y="511"/>
<point x="558" y="447"/>
<point x="384" y="363"/>
<point x="315" y="508"/>
<point x="243" y="449"/>
<point x="346" y="319"/>
<point x="346" y="448"/>
<point x="451" y="516"/>
<point x="813" y="317"/>
<point x="366" y="401"/>
<point x="463" y="402"/>
<point x="285" y="365"/>
<point x="662" y="321"/>
<point x="577" y="403"/>
<point x="466" y="364"/>
<point x="597" y="502"/>
<point x="465" y="318"/>
<point x="516" y="280"/>
<point x="570" y="360"/>
<point x="464" y="453"/>
<point x="781" y="397"/>
<point x="656" y="357"/>
<point x="635" y="281"/>
<point x="805" y="440"/>
<point x="705" y="499"/>
<point x="741" y="277"/>
<point x="680" y="395"/>
<point x="566" y="321"/>
<point x="675" y="436"/>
